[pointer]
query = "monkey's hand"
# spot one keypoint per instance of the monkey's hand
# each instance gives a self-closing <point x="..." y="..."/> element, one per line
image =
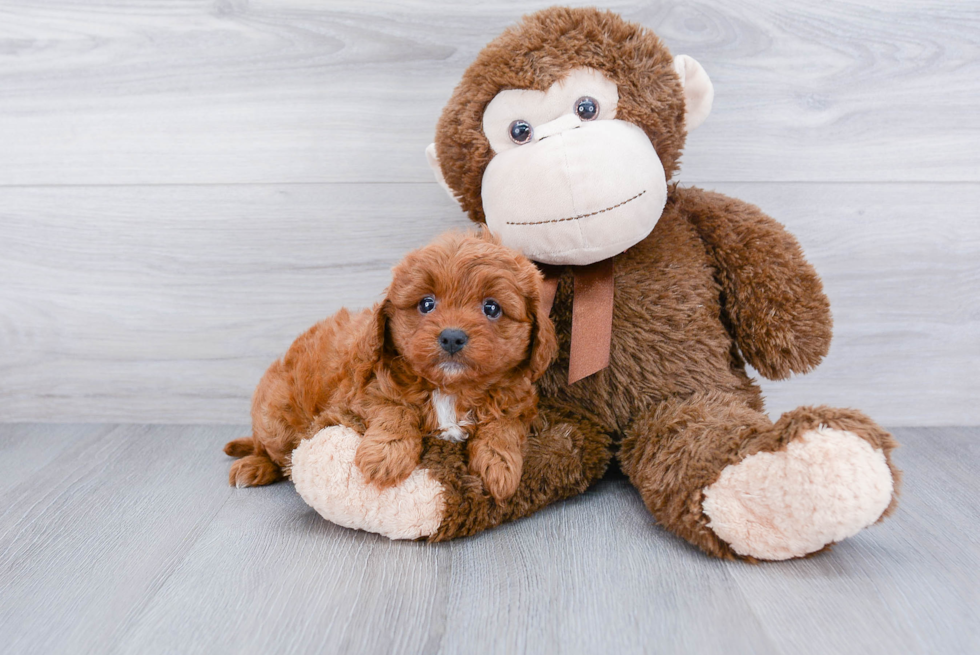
<point x="772" y="298"/>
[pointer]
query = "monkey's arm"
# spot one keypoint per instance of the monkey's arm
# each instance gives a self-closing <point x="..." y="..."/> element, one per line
<point x="772" y="298"/>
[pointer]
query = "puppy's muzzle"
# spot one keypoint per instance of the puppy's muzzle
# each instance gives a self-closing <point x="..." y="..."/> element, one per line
<point x="452" y="340"/>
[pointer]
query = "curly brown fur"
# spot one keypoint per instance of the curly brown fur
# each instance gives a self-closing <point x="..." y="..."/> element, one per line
<point x="378" y="370"/>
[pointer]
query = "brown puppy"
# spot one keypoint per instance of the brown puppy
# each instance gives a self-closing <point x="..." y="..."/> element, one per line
<point x="452" y="351"/>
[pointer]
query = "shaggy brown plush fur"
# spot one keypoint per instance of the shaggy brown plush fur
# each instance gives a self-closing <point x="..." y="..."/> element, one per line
<point x="378" y="370"/>
<point x="565" y="453"/>
<point x="715" y="282"/>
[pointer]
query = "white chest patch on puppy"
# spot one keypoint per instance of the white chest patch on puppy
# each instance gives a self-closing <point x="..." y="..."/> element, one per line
<point x="450" y="426"/>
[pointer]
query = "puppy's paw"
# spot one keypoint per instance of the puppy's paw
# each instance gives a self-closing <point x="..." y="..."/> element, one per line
<point x="385" y="460"/>
<point x="253" y="471"/>
<point x="500" y="470"/>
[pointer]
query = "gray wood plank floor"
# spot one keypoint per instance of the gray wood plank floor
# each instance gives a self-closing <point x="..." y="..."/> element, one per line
<point x="126" y="539"/>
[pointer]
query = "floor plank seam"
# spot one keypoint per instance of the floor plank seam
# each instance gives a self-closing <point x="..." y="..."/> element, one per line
<point x="132" y="620"/>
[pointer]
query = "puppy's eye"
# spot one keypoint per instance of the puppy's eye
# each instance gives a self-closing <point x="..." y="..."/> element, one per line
<point x="427" y="304"/>
<point x="520" y="132"/>
<point x="587" y="108"/>
<point x="491" y="308"/>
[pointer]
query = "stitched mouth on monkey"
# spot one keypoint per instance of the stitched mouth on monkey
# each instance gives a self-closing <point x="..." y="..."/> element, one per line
<point x="580" y="216"/>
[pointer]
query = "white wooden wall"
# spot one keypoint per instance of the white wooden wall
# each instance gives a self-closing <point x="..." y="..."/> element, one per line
<point x="185" y="185"/>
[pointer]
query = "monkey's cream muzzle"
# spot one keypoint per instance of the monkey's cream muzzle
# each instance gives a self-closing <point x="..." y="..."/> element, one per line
<point x="577" y="193"/>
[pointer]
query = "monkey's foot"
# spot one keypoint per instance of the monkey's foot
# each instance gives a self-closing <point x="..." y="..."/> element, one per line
<point x="825" y="486"/>
<point x="325" y="476"/>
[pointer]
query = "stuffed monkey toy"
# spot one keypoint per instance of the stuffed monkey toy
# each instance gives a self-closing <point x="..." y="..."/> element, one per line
<point x="563" y="137"/>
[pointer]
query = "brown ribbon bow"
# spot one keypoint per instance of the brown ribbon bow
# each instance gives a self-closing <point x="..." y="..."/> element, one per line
<point x="592" y="312"/>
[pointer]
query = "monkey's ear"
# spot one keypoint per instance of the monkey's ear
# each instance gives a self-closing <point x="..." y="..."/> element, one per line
<point x="433" y="158"/>
<point x="698" y="90"/>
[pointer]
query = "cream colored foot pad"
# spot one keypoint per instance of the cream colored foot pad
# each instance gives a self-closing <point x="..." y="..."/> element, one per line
<point x="826" y="486"/>
<point x="325" y="476"/>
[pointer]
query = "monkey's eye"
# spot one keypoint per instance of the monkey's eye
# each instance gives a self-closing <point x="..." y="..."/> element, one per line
<point x="491" y="308"/>
<point x="520" y="132"/>
<point x="587" y="108"/>
<point x="427" y="304"/>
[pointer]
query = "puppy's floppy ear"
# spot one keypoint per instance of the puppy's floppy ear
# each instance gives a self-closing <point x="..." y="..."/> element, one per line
<point x="544" y="343"/>
<point x="373" y="347"/>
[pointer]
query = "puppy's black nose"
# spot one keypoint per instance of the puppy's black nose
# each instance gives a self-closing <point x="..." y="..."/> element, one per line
<point x="452" y="340"/>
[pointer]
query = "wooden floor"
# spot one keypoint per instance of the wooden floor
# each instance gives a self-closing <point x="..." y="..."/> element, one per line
<point x="186" y="186"/>
<point x="127" y="539"/>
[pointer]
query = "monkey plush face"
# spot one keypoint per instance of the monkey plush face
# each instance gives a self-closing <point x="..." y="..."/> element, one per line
<point x="563" y="133"/>
<point x="568" y="183"/>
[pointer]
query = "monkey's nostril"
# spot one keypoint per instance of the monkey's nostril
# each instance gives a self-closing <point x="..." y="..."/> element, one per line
<point x="452" y="340"/>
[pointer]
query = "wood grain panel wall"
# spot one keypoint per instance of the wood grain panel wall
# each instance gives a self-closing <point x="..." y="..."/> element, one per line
<point x="184" y="186"/>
